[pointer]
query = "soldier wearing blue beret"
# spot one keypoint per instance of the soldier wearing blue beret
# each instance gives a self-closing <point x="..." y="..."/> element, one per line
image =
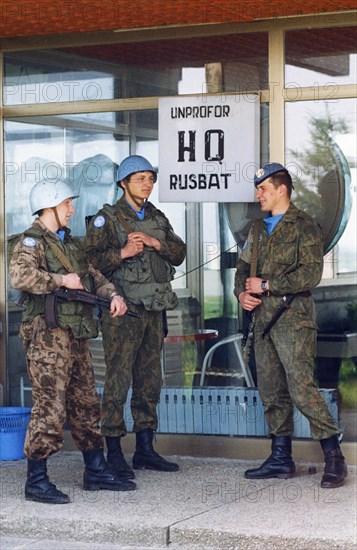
<point x="289" y="265"/>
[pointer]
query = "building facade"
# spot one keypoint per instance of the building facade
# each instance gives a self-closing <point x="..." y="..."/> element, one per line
<point x="80" y="89"/>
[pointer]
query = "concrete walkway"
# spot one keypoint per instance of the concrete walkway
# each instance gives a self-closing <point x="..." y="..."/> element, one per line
<point x="206" y="505"/>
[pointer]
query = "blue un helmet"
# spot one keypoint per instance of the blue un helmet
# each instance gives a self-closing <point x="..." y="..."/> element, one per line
<point x="132" y="164"/>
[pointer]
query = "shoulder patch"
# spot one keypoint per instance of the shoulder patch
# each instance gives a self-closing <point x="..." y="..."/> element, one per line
<point x="29" y="241"/>
<point x="99" y="221"/>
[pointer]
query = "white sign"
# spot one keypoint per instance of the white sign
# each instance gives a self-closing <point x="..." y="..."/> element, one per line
<point x="208" y="148"/>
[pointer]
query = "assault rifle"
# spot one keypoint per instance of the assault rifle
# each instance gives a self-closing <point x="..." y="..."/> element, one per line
<point x="82" y="296"/>
<point x="249" y="323"/>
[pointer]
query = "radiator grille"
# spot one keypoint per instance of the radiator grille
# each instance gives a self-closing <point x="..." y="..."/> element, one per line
<point x="220" y="411"/>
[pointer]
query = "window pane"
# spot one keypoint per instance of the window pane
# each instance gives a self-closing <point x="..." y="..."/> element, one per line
<point x="84" y="150"/>
<point x="53" y="76"/>
<point x="321" y="57"/>
<point x="150" y="69"/>
<point x="321" y="154"/>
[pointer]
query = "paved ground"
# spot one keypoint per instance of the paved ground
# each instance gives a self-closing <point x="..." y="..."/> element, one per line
<point x="207" y="504"/>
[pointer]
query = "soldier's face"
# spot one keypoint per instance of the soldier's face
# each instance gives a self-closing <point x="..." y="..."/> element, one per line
<point x="268" y="196"/>
<point x="65" y="210"/>
<point x="141" y="185"/>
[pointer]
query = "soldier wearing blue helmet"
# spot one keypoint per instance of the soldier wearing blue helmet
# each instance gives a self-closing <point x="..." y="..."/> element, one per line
<point x="135" y="246"/>
<point x="289" y="250"/>
<point x="133" y="164"/>
<point x="44" y="259"/>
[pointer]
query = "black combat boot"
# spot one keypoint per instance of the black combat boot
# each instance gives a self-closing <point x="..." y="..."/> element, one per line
<point x="98" y="475"/>
<point x="146" y="458"/>
<point x="116" y="460"/>
<point x="38" y="486"/>
<point x="335" y="468"/>
<point x="279" y="464"/>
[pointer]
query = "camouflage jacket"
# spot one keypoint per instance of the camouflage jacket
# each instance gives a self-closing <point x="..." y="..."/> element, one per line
<point x="145" y="278"/>
<point x="34" y="269"/>
<point x="291" y="258"/>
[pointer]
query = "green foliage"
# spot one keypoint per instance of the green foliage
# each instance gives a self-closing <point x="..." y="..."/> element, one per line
<point x="348" y="384"/>
<point x="316" y="160"/>
<point x="189" y="364"/>
<point x="319" y="155"/>
<point x="213" y="307"/>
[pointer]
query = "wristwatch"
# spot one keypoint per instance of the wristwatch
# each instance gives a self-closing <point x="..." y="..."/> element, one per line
<point x="264" y="287"/>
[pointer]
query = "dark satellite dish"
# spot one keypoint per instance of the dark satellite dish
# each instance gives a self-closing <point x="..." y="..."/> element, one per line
<point x="240" y="216"/>
<point x="334" y="189"/>
<point x="328" y="202"/>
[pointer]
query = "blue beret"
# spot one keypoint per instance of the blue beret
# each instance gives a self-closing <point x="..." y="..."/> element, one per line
<point x="267" y="171"/>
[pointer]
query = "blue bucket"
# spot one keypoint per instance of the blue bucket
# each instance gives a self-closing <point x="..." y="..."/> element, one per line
<point x="13" y="426"/>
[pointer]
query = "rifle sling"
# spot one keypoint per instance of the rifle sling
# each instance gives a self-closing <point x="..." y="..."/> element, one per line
<point x="256" y="229"/>
<point x="284" y="305"/>
<point x="51" y="299"/>
<point x="59" y="254"/>
<point x="123" y="221"/>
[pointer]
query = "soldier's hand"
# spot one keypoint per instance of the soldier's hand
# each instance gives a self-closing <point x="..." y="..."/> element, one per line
<point x="248" y="301"/>
<point x="254" y="285"/>
<point x="133" y="247"/>
<point x="72" y="281"/>
<point x="117" y="306"/>
<point x="149" y="241"/>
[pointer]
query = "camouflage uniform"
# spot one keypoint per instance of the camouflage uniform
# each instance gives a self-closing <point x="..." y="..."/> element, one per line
<point x="291" y="258"/>
<point x="59" y="364"/>
<point x="133" y="346"/>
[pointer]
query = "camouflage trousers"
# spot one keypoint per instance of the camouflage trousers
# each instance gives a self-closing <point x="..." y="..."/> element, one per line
<point x="63" y="389"/>
<point x="285" y="366"/>
<point x="133" y="355"/>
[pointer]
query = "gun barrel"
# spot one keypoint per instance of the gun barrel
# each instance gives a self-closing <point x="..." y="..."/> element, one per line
<point x="88" y="298"/>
